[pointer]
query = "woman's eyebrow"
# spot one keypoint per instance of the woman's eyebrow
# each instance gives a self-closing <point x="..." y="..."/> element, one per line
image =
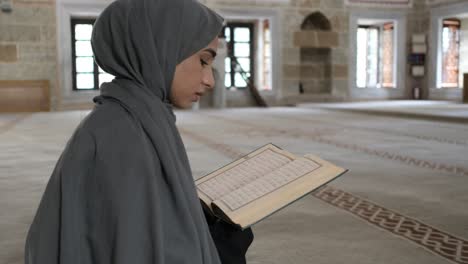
<point x="211" y="51"/>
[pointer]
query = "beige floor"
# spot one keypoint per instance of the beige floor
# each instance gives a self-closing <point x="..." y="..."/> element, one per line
<point x="447" y="111"/>
<point x="405" y="199"/>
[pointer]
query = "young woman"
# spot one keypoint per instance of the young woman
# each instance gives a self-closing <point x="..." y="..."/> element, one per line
<point x="122" y="190"/>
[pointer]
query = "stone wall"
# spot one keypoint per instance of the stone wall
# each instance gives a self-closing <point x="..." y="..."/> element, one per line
<point x="434" y="3"/>
<point x="418" y="23"/>
<point x="292" y="14"/>
<point x="334" y="61"/>
<point x="28" y="43"/>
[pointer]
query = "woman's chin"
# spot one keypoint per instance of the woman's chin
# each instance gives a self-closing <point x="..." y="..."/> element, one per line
<point x="185" y="105"/>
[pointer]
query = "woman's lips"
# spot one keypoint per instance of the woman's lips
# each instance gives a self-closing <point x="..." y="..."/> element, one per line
<point x="197" y="96"/>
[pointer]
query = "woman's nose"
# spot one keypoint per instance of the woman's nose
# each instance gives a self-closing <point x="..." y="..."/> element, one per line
<point x="208" y="79"/>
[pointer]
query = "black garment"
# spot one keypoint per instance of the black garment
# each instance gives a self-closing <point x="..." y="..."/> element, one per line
<point x="231" y="242"/>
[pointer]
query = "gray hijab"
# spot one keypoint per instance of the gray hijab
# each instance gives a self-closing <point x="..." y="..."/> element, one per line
<point x="122" y="191"/>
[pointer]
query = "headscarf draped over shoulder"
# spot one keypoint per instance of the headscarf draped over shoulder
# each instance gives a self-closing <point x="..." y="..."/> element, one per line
<point x="122" y="190"/>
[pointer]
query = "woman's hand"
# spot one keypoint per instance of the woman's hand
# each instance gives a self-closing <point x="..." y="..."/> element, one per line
<point x="231" y="242"/>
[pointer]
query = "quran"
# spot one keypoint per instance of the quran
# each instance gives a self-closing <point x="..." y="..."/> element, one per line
<point x="261" y="183"/>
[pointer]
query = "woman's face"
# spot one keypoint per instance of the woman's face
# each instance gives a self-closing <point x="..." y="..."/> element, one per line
<point x="194" y="76"/>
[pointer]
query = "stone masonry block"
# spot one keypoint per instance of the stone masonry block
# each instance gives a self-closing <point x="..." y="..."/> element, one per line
<point x="291" y="55"/>
<point x="305" y="39"/>
<point x="312" y="71"/>
<point x="340" y="71"/>
<point x="34" y="71"/>
<point x="335" y="4"/>
<point x="36" y="53"/>
<point x="292" y="71"/>
<point x="327" y="39"/>
<point x="34" y="15"/>
<point x="306" y="3"/>
<point x="20" y="33"/>
<point x="8" y="53"/>
<point x="48" y="34"/>
<point x="316" y="39"/>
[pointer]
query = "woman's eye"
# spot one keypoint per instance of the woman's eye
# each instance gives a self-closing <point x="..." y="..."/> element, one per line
<point x="203" y="63"/>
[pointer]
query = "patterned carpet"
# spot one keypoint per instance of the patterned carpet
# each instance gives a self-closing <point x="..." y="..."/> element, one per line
<point x="403" y="200"/>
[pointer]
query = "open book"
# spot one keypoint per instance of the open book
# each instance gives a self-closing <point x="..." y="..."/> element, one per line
<point x="253" y="187"/>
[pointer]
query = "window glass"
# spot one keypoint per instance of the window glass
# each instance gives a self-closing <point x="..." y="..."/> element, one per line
<point x="227" y="80"/>
<point x="105" y="77"/>
<point x="239" y="81"/>
<point x="241" y="34"/>
<point x="85" y="64"/>
<point x="242" y="49"/>
<point x="85" y="81"/>
<point x="227" y="34"/>
<point x="83" y="48"/>
<point x="83" y="32"/>
<point x="244" y="63"/>
<point x="227" y="63"/>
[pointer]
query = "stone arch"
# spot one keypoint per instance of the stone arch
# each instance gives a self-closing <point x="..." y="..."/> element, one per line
<point x="316" y="21"/>
<point x="316" y="65"/>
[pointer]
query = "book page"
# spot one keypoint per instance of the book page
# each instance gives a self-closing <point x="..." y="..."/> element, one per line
<point x="268" y="183"/>
<point x="243" y="174"/>
<point x="287" y="188"/>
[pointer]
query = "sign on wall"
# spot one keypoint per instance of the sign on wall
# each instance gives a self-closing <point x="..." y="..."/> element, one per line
<point x="380" y="3"/>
